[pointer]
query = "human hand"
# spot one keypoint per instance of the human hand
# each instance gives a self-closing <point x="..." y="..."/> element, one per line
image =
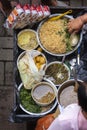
<point x="74" y="25"/>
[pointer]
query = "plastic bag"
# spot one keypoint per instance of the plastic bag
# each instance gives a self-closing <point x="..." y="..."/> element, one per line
<point x="29" y="73"/>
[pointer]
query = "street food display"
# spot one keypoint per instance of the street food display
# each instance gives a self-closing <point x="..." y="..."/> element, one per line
<point x="34" y="67"/>
<point x="39" y="50"/>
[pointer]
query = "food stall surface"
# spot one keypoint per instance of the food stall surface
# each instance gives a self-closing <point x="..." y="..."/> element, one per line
<point x="6" y="88"/>
<point x="18" y="114"/>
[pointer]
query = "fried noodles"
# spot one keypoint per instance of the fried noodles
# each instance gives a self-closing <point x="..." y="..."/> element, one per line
<point x="53" y="36"/>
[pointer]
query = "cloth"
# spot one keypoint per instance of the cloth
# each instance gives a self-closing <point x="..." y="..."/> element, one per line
<point x="68" y="119"/>
<point x="82" y="122"/>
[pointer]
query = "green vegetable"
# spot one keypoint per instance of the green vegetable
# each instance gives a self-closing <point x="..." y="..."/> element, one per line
<point x="67" y="41"/>
<point x="27" y="101"/>
<point x="58" y="72"/>
<point x="60" y="32"/>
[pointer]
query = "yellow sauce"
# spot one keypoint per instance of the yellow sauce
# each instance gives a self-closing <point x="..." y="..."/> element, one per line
<point x="27" y="40"/>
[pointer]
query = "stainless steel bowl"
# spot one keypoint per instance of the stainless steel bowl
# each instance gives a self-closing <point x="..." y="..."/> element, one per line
<point x="66" y="84"/>
<point x="59" y="73"/>
<point x="23" y="46"/>
<point x="57" y="54"/>
<point x="51" y="108"/>
<point x="34" y="54"/>
<point x="43" y="93"/>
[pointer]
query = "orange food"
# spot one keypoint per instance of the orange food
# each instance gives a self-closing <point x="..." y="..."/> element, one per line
<point x="44" y="122"/>
<point x="39" y="49"/>
<point x="39" y="61"/>
<point x="10" y="18"/>
<point x="15" y="12"/>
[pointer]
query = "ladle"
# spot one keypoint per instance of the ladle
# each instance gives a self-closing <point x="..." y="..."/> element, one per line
<point x="72" y="63"/>
<point x="78" y="56"/>
<point x="75" y="78"/>
<point x="63" y="59"/>
<point x="60" y="16"/>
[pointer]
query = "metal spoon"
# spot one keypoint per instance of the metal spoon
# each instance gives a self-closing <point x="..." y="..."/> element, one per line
<point x="74" y="39"/>
<point x="72" y="63"/>
<point x="78" y="57"/>
<point x="63" y="59"/>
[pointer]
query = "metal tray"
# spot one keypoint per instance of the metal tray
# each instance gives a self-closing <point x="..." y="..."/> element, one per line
<point x="17" y="115"/>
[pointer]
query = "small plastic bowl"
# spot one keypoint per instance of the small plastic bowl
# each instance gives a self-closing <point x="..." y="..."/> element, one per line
<point x="43" y="93"/>
<point x="27" y="39"/>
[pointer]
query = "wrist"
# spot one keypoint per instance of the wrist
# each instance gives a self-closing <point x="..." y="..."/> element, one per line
<point x="83" y="18"/>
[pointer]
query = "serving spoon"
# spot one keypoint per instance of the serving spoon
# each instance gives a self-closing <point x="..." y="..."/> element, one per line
<point x="74" y="39"/>
<point x="75" y="78"/>
<point x="60" y="16"/>
<point x="63" y="59"/>
<point x="73" y="63"/>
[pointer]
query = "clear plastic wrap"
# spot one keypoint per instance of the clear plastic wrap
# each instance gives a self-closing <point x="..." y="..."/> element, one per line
<point x="29" y="72"/>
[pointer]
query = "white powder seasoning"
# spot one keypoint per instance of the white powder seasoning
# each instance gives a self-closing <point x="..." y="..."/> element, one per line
<point x="68" y="96"/>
